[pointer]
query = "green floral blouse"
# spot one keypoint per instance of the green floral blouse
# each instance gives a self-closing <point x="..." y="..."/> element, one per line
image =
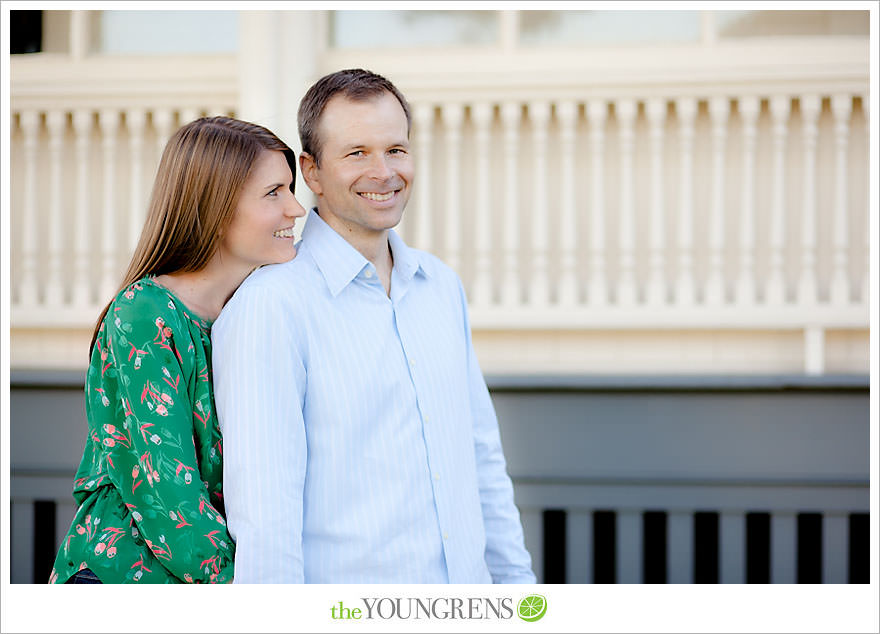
<point x="149" y="484"/>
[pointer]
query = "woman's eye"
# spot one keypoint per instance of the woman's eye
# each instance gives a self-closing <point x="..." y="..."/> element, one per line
<point x="274" y="192"/>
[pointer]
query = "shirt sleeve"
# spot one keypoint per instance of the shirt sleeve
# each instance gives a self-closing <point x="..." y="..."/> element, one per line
<point x="506" y="556"/>
<point x="259" y="387"/>
<point x="159" y="477"/>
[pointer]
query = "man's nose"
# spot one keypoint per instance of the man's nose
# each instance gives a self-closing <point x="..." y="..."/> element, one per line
<point x="379" y="168"/>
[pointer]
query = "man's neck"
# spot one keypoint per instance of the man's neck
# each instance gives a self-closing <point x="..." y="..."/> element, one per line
<point x="373" y="245"/>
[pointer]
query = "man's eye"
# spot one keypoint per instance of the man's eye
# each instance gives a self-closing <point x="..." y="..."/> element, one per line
<point x="357" y="153"/>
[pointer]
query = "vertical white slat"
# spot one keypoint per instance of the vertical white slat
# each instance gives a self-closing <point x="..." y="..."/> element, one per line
<point x="533" y="536"/>
<point x="749" y="107"/>
<point x="719" y="108"/>
<point x="597" y="292"/>
<point x="686" y="111"/>
<point x="655" y="109"/>
<point x="539" y="287"/>
<point x="511" y="113"/>
<point x="108" y="120"/>
<point x="424" y="119"/>
<point x="188" y="114"/>
<point x="732" y="547"/>
<point x="783" y="547"/>
<point x="807" y="291"/>
<point x="453" y="116"/>
<point x="864" y="295"/>
<point x="163" y="121"/>
<point x="775" y="291"/>
<point x="835" y="553"/>
<point x="136" y="120"/>
<point x="79" y="34"/>
<point x="21" y="551"/>
<point x="626" y="285"/>
<point x="579" y="546"/>
<point x="680" y="556"/>
<point x="566" y="112"/>
<point x="28" y="284"/>
<point x="481" y="114"/>
<point x="56" y="120"/>
<point x="81" y="247"/>
<point x="841" y="107"/>
<point x="630" y="546"/>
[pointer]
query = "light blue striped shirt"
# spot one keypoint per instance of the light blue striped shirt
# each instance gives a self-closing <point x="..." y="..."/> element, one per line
<point x="360" y="443"/>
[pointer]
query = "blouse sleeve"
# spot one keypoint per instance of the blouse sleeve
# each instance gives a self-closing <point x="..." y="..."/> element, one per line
<point x="159" y="480"/>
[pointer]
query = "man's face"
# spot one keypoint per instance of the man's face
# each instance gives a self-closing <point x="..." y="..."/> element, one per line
<point x="366" y="170"/>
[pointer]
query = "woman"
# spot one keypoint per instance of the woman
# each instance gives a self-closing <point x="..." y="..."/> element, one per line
<point x="149" y="484"/>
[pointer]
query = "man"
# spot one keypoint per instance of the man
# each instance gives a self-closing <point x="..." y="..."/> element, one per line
<point x="360" y="442"/>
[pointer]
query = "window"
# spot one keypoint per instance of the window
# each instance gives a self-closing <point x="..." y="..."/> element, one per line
<point x="538" y="28"/>
<point x="399" y="29"/>
<point x="151" y="32"/>
<point x="738" y="24"/>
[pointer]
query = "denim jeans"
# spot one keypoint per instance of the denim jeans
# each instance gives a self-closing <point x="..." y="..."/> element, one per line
<point x="84" y="576"/>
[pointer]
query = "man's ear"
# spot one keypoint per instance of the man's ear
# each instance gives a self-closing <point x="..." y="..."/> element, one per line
<point x="309" y="168"/>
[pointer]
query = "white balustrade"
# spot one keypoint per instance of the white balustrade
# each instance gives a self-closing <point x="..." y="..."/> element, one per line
<point x="574" y="190"/>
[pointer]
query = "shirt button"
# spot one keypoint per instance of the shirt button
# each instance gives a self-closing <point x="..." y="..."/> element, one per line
<point x="369" y="273"/>
<point x="445" y="536"/>
<point x="412" y="363"/>
<point x="427" y="419"/>
<point x="437" y="477"/>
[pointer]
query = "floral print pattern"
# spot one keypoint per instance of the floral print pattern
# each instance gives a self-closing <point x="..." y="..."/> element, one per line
<point x="149" y="483"/>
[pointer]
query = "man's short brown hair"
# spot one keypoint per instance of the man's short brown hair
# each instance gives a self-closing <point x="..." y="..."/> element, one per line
<point x="355" y="84"/>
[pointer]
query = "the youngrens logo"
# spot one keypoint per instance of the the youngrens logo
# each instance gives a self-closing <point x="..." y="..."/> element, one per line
<point x="530" y="608"/>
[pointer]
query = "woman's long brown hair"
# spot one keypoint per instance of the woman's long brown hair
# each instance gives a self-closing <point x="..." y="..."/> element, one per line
<point x="199" y="179"/>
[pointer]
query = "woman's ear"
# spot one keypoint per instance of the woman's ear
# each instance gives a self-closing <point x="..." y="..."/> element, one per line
<point x="309" y="168"/>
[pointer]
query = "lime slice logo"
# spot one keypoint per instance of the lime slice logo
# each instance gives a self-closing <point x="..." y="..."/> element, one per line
<point x="532" y="607"/>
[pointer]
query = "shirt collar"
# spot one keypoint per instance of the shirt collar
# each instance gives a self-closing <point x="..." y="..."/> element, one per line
<point x="340" y="263"/>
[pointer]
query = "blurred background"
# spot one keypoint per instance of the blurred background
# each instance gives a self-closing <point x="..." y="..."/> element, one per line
<point x="660" y="218"/>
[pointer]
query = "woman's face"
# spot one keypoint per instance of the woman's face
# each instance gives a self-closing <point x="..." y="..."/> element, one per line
<point x="261" y="230"/>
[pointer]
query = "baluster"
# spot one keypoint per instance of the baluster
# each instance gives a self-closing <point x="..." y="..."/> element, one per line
<point x="510" y="289"/>
<point x="82" y="124"/>
<point x="783" y="544"/>
<point x="840" y="109"/>
<point x="578" y="546"/>
<point x="686" y="110"/>
<point x="568" y="286"/>
<point x="481" y="113"/>
<point x="732" y="535"/>
<point x="30" y="126"/>
<point x="749" y="108"/>
<point x="597" y="111"/>
<point x="835" y="530"/>
<point x="655" y="109"/>
<point x="108" y="121"/>
<point x="626" y="290"/>
<point x="810" y="107"/>
<point x="718" y="114"/>
<point x="136" y="120"/>
<point x="539" y="293"/>
<point x="453" y="116"/>
<point x="630" y="545"/>
<point x="681" y="546"/>
<point x="424" y="119"/>
<point x="775" y="292"/>
<point x="56" y="120"/>
<point x="163" y="121"/>
<point x="866" y="274"/>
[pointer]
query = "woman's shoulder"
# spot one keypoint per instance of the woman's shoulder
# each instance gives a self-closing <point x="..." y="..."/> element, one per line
<point x="145" y="302"/>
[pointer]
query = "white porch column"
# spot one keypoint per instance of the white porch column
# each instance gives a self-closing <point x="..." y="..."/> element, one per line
<point x="56" y="120"/>
<point x="30" y="127"/>
<point x="108" y="121"/>
<point x="686" y="110"/>
<point x="655" y="109"/>
<point x="511" y="114"/>
<point x="453" y="118"/>
<point x="81" y="294"/>
<point x="481" y="113"/>
<point x="774" y="294"/>
<point x="625" y="294"/>
<point x="424" y="121"/>
<point x="136" y="122"/>
<point x="539" y="289"/>
<point x="567" y="112"/>
<point x="718" y="112"/>
<point x="841" y="106"/>
<point x="597" y="292"/>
